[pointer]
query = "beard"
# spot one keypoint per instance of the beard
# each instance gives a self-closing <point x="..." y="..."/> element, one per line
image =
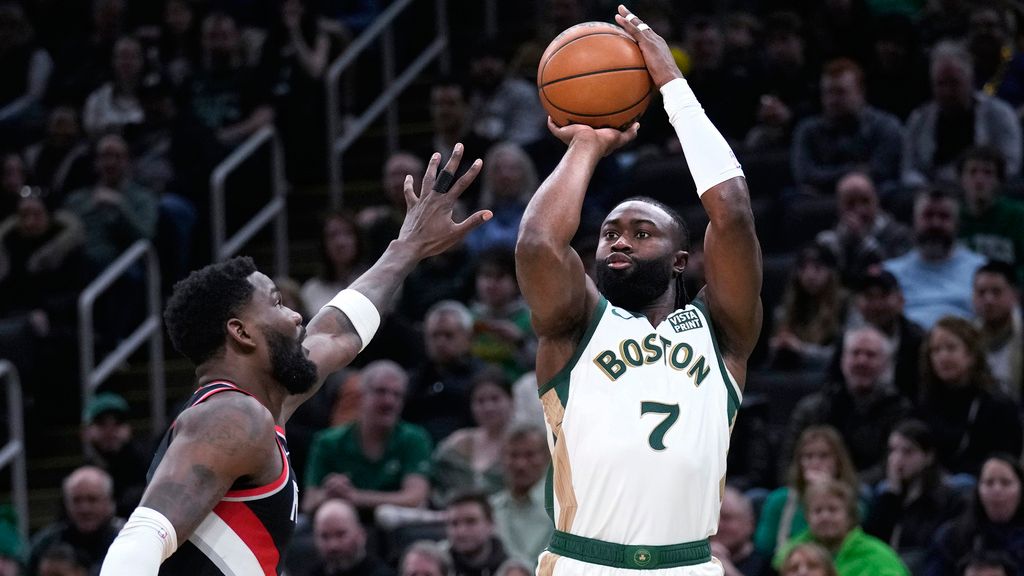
<point x="934" y="245"/>
<point x="289" y="364"/>
<point x="636" y="286"/>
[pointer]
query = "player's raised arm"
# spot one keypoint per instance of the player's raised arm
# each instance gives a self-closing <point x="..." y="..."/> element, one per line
<point x="733" y="255"/>
<point x="551" y="275"/>
<point x="213" y="447"/>
<point x="346" y="324"/>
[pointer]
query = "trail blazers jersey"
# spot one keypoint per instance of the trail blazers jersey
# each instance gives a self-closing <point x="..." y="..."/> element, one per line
<point x="248" y="531"/>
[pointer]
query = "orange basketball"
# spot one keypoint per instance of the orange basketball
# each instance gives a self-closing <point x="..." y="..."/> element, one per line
<point x="593" y="73"/>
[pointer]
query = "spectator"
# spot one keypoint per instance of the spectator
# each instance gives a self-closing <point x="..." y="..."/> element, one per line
<point x="439" y="389"/>
<point x="381" y="222"/>
<point x="109" y="445"/>
<point x="502" y="106"/>
<point x="91" y="525"/>
<point x="860" y="406"/>
<point x="116" y="211"/>
<point x="502" y="334"/>
<point x="341" y="260"/>
<point x="808" y="320"/>
<point x="295" y="56"/>
<point x="848" y="135"/>
<point x="879" y="302"/>
<point x="509" y="181"/>
<point x="179" y="42"/>
<point x="60" y="162"/>
<point x="956" y="118"/>
<point x="425" y="558"/>
<point x="865" y="234"/>
<point x="989" y="224"/>
<point x="114" y="107"/>
<point x="470" y="458"/>
<point x="733" y="544"/>
<point x="934" y="274"/>
<point x="897" y="73"/>
<point x="378" y="459"/>
<point x="1002" y="336"/>
<point x="61" y="560"/>
<point x="520" y="515"/>
<point x="834" y="524"/>
<point x="913" y="500"/>
<point x="987" y="563"/>
<point x="25" y="68"/>
<point x="82" y="61"/>
<point x="808" y="559"/>
<point x="994" y="521"/>
<point x="819" y="454"/>
<point x="471" y="539"/>
<point x="40" y="275"/>
<point x="340" y="542"/>
<point x="969" y="418"/>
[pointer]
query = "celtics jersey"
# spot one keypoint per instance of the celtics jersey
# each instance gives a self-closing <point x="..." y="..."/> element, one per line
<point x="639" y="423"/>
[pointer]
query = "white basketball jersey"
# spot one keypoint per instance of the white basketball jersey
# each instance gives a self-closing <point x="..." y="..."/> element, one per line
<point x="639" y="423"/>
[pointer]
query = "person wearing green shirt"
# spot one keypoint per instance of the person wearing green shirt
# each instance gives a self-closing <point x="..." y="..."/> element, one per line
<point x="989" y="222"/>
<point x="833" y="523"/>
<point x="378" y="459"/>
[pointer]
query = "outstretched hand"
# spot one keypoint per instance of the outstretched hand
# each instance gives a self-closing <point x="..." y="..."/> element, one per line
<point x="608" y="140"/>
<point x="428" y="223"/>
<point x="660" y="63"/>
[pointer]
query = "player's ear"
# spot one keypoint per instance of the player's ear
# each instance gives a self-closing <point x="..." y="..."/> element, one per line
<point x="680" y="260"/>
<point x="239" y="333"/>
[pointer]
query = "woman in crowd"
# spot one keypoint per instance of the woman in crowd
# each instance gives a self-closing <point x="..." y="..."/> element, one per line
<point x="508" y="179"/>
<point x="809" y="319"/>
<point x="959" y="403"/>
<point x="808" y="559"/>
<point x="820" y="454"/>
<point x="341" y="260"/>
<point x="470" y="459"/>
<point x="115" y="106"/>
<point x="833" y="523"/>
<point x="994" y="521"/>
<point x="912" y="502"/>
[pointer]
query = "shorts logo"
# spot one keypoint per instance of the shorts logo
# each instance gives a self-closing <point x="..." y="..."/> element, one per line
<point x="685" y="320"/>
<point x="641" y="557"/>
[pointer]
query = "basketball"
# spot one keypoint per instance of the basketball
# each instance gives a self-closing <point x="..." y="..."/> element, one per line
<point x="593" y="73"/>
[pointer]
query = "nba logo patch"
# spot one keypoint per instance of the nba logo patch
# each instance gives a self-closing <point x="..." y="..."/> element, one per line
<point x="685" y="320"/>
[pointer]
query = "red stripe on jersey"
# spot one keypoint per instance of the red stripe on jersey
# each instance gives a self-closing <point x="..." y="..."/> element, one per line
<point x="241" y="519"/>
<point x="268" y="488"/>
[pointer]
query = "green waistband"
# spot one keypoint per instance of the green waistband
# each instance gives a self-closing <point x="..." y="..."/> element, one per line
<point x="631" y="557"/>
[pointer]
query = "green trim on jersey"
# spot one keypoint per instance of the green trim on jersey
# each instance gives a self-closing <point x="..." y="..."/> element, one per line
<point x="560" y="382"/>
<point x="734" y="400"/>
<point x="549" y="493"/>
<point x="632" y="556"/>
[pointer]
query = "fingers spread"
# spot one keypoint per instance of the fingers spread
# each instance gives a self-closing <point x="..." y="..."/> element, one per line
<point x="431" y="173"/>
<point x="466" y="179"/>
<point x="410" y="192"/>
<point x="472" y="221"/>
<point x="452" y="166"/>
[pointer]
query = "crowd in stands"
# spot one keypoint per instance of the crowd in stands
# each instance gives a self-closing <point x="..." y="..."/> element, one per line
<point x="881" y="426"/>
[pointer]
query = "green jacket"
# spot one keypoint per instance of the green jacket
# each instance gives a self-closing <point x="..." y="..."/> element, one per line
<point x="859" y="555"/>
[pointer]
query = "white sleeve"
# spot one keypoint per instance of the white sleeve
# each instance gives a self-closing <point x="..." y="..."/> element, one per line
<point x="147" y="539"/>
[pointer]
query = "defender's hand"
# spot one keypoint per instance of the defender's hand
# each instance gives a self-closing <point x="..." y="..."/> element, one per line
<point x="428" y="223"/>
<point x="606" y="139"/>
<point x="660" y="63"/>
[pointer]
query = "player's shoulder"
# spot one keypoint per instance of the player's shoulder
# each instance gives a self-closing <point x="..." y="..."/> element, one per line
<point x="231" y="414"/>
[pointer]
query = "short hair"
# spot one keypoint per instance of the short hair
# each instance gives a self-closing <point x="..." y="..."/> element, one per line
<point x="382" y="368"/>
<point x="431" y="550"/>
<point x="473" y="497"/>
<point x="841" y="66"/>
<point x="200" y="306"/>
<point x="682" y="231"/>
<point x="999" y="268"/>
<point x="453" y="307"/>
<point x="887" y="347"/>
<point x="984" y="153"/>
<point x="952" y="51"/>
<point x="937" y="192"/>
<point x="77" y="474"/>
<point x="838" y="489"/>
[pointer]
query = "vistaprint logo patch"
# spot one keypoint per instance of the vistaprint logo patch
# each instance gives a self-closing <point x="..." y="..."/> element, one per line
<point x="685" y="320"/>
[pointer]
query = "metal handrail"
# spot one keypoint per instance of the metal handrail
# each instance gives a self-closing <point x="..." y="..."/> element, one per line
<point x="13" y="452"/>
<point x="149" y="329"/>
<point x="340" y="138"/>
<point x="223" y="247"/>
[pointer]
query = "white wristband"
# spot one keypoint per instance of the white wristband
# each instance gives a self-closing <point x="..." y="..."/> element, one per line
<point x="145" y="541"/>
<point x="708" y="155"/>
<point x="360" y="311"/>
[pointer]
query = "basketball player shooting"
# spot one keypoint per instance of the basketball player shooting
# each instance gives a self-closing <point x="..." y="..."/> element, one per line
<point x="640" y="389"/>
<point x="222" y="498"/>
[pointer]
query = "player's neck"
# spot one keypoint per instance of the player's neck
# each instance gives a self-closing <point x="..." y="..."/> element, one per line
<point x="242" y="375"/>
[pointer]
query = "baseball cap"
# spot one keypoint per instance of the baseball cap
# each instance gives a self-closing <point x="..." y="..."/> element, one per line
<point x="882" y="279"/>
<point x="103" y="403"/>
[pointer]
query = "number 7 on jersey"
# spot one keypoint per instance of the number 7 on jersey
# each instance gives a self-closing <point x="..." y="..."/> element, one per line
<point x="671" y="412"/>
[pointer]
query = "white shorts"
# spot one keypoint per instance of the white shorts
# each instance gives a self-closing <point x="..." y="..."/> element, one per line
<point x="550" y="564"/>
